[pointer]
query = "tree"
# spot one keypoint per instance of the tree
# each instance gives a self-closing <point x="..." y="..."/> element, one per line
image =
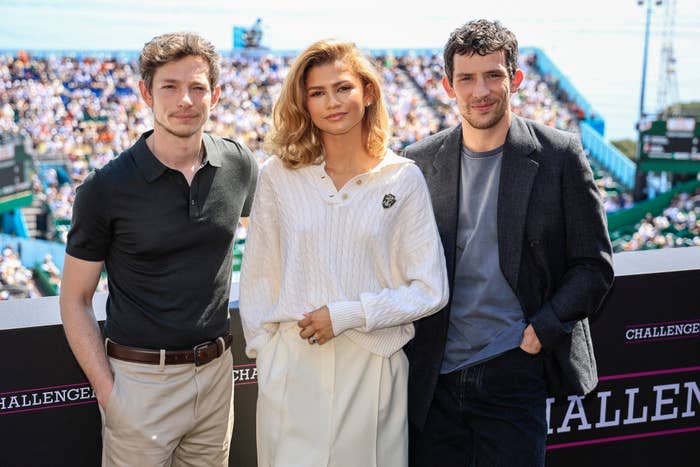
<point x="686" y="109"/>
<point x="628" y="147"/>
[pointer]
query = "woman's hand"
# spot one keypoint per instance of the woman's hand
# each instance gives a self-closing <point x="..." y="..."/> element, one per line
<point x="317" y="326"/>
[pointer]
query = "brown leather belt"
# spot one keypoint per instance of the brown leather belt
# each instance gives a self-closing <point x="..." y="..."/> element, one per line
<point x="199" y="355"/>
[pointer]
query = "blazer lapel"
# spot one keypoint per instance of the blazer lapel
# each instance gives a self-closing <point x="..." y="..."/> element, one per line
<point x="443" y="179"/>
<point x="518" y="173"/>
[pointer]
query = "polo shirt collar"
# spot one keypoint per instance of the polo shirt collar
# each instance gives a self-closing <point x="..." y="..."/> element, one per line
<point x="151" y="168"/>
<point x="211" y="154"/>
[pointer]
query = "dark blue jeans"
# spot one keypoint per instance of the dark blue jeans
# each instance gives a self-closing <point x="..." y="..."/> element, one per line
<point x="488" y="415"/>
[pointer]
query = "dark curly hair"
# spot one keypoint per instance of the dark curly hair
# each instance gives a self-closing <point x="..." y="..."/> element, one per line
<point x="481" y="37"/>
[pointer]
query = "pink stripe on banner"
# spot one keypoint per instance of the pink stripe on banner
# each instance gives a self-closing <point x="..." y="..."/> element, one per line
<point x="243" y="366"/>
<point x="245" y="383"/>
<point x="48" y="407"/>
<point x="649" y="373"/>
<point x="84" y="383"/>
<point x="642" y="341"/>
<point x="613" y="439"/>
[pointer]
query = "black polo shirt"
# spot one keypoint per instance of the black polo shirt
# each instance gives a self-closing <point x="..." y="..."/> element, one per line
<point x="167" y="246"/>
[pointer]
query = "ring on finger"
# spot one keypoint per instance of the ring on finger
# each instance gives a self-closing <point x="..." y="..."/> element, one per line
<point x="313" y="340"/>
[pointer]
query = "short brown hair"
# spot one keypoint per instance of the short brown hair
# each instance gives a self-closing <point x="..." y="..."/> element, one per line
<point x="294" y="138"/>
<point x="174" y="46"/>
<point x="481" y="37"/>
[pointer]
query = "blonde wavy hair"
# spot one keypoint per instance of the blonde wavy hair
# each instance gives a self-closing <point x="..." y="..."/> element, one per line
<point x="294" y="137"/>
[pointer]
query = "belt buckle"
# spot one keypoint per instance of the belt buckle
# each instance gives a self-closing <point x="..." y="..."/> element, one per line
<point x="196" y="349"/>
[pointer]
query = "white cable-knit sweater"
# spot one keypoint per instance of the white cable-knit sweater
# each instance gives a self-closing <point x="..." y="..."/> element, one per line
<point x="370" y="252"/>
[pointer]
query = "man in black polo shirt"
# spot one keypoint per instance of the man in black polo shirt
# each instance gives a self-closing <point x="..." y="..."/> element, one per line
<point x="161" y="219"/>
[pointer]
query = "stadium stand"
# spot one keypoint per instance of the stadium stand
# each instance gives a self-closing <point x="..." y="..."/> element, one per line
<point x="16" y="281"/>
<point x="668" y="221"/>
<point x="79" y="113"/>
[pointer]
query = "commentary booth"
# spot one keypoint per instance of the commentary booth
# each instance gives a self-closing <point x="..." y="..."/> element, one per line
<point x="644" y="412"/>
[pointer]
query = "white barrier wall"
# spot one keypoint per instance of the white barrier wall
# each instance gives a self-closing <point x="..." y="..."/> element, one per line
<point x="645" y="411"/>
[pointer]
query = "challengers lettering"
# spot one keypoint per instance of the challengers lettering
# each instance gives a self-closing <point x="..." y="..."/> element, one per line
<point x="662" y="331"/>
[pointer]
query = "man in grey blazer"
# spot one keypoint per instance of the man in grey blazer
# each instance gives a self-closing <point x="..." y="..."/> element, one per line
<point x="529" y="260"/>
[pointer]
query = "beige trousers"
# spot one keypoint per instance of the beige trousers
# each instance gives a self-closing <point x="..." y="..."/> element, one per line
<point x="171" y="415"/>
<point x="331" y="405"/>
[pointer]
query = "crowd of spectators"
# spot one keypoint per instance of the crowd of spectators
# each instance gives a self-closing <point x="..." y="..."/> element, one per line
<point x="615" y="197"/>
<point x="412" y="117"/>
<point x="16" y="281"/>
<point x="677" y="226"/>
<point x="79" y="113"/>
<point x="535" y="98"/>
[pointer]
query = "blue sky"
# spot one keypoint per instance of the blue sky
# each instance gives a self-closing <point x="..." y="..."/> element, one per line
<point x="597" y="43"/>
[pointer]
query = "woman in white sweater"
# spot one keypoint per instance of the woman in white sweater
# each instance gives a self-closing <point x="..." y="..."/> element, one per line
<point x="342" y="255"/>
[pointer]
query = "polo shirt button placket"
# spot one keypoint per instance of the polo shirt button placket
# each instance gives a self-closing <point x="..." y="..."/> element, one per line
<point x="194" y="211"/>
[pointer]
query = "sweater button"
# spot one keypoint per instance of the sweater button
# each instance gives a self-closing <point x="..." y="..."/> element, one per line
<point x="345" y="196"/>
<point x="359" y="182"/>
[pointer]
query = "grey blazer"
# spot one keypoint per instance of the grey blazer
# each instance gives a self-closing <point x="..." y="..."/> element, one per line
<point x="553" y="246"/>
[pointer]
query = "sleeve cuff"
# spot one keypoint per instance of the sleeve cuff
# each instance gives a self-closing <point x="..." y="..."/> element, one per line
<point x="256" y="344"/>
<point x="346" y="315"/>
<point x="84" y="254"/>
<point x="547" y="326"/>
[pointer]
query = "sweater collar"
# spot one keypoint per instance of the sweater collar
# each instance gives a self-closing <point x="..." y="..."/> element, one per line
<point x="390" y="159"/>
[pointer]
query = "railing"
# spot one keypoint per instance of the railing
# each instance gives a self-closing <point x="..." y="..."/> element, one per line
<point x="548" y="68"/>
<point x="592" y="127"/>
<point x="608" y="156"/>
<point x="13" y="221"/>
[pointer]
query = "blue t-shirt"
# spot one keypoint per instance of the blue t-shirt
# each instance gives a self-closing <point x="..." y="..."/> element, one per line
<point x="486" y="318"/>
